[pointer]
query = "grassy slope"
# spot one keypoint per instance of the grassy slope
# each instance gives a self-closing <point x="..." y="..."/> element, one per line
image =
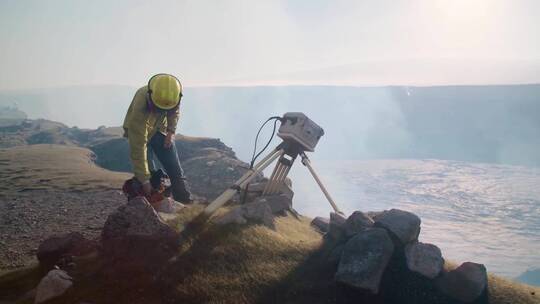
<point x="53" y="167"/>
<point x="246" y="264"/>
<point x="243" y="264"/>
<point x="256" y="264"/>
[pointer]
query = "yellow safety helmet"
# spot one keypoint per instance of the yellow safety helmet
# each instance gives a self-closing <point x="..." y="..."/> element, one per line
<point x="165" y="91"/>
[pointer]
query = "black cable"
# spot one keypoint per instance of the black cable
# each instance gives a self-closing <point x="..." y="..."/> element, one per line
<point x="254" y="157"/>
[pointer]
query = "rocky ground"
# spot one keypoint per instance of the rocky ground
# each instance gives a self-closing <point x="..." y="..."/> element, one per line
<point x="28" y="218"/>
<point x="258" y="252"/>
<point x="51" y="180"/>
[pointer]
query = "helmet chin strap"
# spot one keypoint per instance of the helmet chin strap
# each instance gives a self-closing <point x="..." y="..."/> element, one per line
<point x="150" y="106"/>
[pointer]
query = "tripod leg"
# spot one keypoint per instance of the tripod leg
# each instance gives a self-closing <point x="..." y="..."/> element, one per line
<point x="275" y="179"/>
<point x="229" y="193"/>
<point x="272" y="178"/>
<point x="307" y="163"/>
<point x="282" y="169"/>
<point x="265" y="162"/>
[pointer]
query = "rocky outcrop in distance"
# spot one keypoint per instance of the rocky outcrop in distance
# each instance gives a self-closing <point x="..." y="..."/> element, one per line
<point x="209" y="165"/>
<point x="42" y="131"/>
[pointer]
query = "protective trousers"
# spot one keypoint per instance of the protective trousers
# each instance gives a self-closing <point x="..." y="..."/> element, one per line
<point x="168" y="157"/>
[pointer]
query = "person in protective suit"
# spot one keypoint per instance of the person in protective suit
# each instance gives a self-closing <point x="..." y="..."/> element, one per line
<point x="150" y="126"/>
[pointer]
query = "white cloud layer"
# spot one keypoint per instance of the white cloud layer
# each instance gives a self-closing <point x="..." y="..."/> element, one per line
<point x="56" y="43"/>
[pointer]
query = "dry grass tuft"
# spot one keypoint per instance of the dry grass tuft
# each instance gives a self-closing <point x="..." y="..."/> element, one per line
<point x="502" y="291"/>
<point x="239" y="264"/>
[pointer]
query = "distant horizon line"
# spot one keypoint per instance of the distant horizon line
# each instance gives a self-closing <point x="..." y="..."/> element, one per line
<point x="274" y="85"/>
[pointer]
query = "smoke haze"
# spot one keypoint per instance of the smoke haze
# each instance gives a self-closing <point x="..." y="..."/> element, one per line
<point x="496" y="124"/>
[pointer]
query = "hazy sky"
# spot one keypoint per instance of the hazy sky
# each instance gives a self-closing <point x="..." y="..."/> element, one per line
<point x="57" y="43"/>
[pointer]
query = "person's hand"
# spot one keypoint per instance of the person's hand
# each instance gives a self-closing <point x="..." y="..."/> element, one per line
<point x="168" y="140"/>
<point x="147" y="188"/>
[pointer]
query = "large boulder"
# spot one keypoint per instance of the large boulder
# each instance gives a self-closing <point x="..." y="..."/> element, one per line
<point x="56" y="247"/>
<point x="425" y="259"/>
<point x="465" y="283"/>
<point x="321" y="223"/>
<point x="257" y="212"/>
<point x="136" y="237"/>
<point x="364" y="259"/>
<point x="403" y="225"/>
<point x="357" y="222"/>
<point x="53" y="285"/>
<point x="213" y="171"/>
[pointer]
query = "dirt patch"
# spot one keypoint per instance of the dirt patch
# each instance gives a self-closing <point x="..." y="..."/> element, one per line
<point x="29" y="217"/>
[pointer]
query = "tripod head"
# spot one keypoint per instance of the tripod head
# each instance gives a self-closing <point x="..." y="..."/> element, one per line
<point x="297" y="128"/>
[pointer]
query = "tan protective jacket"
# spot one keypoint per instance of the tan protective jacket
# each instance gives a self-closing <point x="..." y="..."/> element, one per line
<point x="140" y="124"/>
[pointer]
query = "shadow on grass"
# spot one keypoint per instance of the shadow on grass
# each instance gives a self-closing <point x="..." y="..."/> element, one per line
<point x="313" y="282"/>
<point x="310" y="282"/>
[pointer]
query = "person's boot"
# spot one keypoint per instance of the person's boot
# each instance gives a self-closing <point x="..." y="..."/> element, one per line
<point x="180" y="191"/>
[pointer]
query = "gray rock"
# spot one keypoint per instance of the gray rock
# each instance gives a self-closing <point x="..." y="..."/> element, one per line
<point x="465" y="283"/>
<point x="425" y="259"/>
<point x="234" y="216"/>
<point x="255" y="191"/>
<point x="54" y="284"/>
<point x="357" y="222"/>
<point x="337" y="221"/>
<point x="256" y="212"/>
<point x="364" y="259"/>
<point x="374" y="214"/>
<point x="259" y="212"/>
<point x="277" y="203"/>
<point x="402" y="224"/>
<point x="136" y="218"/>
<point x="54" y="248"/>
<point x="321" y="223"/>
<point x="285" y="188"/>
<point x="335" y="255"/>
<point x="257" y="187"/>
<point x="137" y="237"/>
